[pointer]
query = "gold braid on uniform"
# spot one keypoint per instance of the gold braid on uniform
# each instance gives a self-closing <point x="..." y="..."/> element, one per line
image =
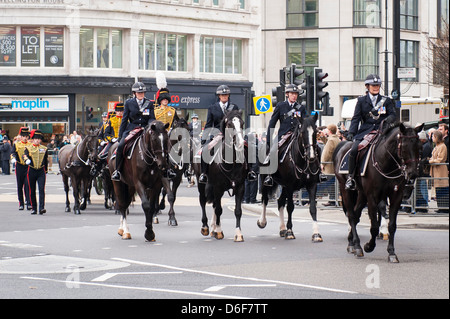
<point x="37" y="155"/>
<point x="165" y="115"/>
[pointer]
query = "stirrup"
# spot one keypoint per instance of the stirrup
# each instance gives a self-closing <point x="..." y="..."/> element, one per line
<point x="203" y="179"/>
<point x="350" y="184"/>
<point x="115" y="175"/>
<point x="251" y="176"/>
<point x="268" y="181"/>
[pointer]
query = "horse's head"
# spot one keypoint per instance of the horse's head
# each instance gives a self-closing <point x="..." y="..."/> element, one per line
<point x="157" y="143"/>
<point x="233" y="125"/>
<point x="409" y="150"/>
<point x="91" y="144"/>
<point x="308" y="140"/>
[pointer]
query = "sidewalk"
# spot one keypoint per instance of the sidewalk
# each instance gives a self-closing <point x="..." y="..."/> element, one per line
<point x="336" y="215"/>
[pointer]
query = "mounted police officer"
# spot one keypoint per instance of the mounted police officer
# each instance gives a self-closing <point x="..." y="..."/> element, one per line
<point x="370" y="111"/>
<point x="284" y="113"/>
<point x="138" y="112"/>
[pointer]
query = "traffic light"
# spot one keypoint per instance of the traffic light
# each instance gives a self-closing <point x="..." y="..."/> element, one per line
<point x="319" y="85"/>
<point x="89" y="113"/>
<point x="295" y="73"/>
<point x="307" y="94"/>
<point x="277" y="95"/>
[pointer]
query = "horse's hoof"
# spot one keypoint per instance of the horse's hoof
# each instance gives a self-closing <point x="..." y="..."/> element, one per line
<point x="155" y="220"/>
<point x="67" y="210"/>
<point x="289" y="235"/>
<point x="369" y="248"/>
<point x="316" y="238"/>
<point x="385" y="237"/>
<point x="283" y="233"/>
<point x="126" y="236"/>
<point x="238" y="239"/>
<point x="393" y="259"/>
<point x="173" y="222"/>
<point x="117" y="212"/>
<point x="120" y="232"/>
<point x="205" y="231"/>
<point x="359" y="253"/>
<point x="149" y="236"/>
<point x="261" y="225"/>
<point x="77" y="212"/>
<point x="83" y="207"/>
<point x="219" y="236"/>
<point x="351" y="249"/>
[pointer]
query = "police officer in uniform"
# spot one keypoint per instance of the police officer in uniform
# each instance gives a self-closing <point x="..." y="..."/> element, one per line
<point x="138" y="112"/>
<point x="370" y="111"/>
<point x="216" y="113"/>
<point x="36" y="157"/>
<point x="284" y="113"/>
<point x="21" y="168"/>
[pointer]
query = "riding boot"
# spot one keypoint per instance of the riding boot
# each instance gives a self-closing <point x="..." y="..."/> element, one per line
<point x="116" y="174"/>
<point x="203" y="179"/>
<point x="251" y="176"/>
<point x="268" y="181"/>
<point x="350" y="184"/>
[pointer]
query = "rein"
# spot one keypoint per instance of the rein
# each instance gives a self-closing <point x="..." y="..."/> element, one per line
<point x="145" y="152"/>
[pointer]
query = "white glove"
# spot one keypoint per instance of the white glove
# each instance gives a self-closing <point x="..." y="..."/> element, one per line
<point x="13" y="161"/>
<point x="114" y="140"/>
<point x="28" y="162"/>
<point x="103" y="143"/>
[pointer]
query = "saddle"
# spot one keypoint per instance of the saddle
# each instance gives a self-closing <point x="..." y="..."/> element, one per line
<point x="365" y="148"/>
<point x="130" y="141"/>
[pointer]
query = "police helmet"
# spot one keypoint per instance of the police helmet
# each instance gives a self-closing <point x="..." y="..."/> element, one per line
<point x="194" y="116"/>
<point x="292" y="88"/>
<point x="138" y="87"/>
<point x="223" y="89"/>
<point x="373" y="79"/>
<point x="105" y="114"/>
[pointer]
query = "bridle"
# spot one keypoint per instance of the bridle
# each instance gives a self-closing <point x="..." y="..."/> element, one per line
<point x="148" y="154"/>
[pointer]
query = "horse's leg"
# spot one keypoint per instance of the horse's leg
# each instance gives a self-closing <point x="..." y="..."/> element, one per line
<point x="84" y="191"/>
<point x="281" y="205"/>
<point x="395" y="201"/>
<point x="149" y="209"/>
<point x="290" y="209"/>
<point x="202" y="200"/>
<point x="354" y="216"/>
<point x="66" y="189"/>
<point x="76" y="195"/>
<point x="312" y="191"/>
<point x="122" y="203"/>
<point x="156" y="212"/>
<point x="262" y="221"/>
<point x="372" y="206"/>
<point x="239" y="194"/>
<point x="171" y="196"/>
<point x="218" y="233"/>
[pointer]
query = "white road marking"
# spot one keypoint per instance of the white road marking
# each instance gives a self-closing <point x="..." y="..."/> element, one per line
<point x="110" y="275"/>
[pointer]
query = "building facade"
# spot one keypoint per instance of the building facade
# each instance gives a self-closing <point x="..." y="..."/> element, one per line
<point x="58" y="57"/>
<point x="348" y="40"/>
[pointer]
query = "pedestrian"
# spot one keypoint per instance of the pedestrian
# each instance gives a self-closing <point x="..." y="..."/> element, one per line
<point x="195" y="128"/>
<point x="5" y="155"/>
<point x="74" y="138"/>
<point x="440" y="172"/>
<point x="370" y="110"/>
<point x="443" y="128"/>
<point x="51" y="148"/>
<point x="21" y="168"/>
<point x="138" y="113"/>
<point x="36" y="157"/>
<point x="327" y="162"/>
<point x="424" y="173"/>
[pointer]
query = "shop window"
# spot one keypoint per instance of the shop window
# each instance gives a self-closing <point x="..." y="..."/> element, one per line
<point x="54" y="47"/>
<point x="8" y="46"/>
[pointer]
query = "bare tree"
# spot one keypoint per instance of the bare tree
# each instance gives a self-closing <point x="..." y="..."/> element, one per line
<point x="439" y="64"/>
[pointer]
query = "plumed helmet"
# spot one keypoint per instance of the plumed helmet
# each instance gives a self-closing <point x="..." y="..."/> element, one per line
<point x="24" y="131"/>
<point x="223" y="89"/>
<point x="373" y="79"/>
<point x="139" y="87"/>
<point x="292" y="88"/>
<point x="163" y="94"/>
<point x="37" y="134"/>
<point x="119" y="107"/>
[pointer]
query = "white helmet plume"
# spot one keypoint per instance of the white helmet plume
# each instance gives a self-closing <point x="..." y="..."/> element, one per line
<point x="161" y="81"/>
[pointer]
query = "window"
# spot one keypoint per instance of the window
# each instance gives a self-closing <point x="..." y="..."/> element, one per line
<point x="219" y="55"/>
<point x="108" y="48"/>
<point x="366" y="57"/>
<point x="242" y="4"/>
<point x="54" y="47"/>
<point x="30" y="46"/>
<point x="409" y="56"/>
<point x="8" y="46"/>
<point x="409" y="15"/>
<point x="443" y="14"/>
<point x="161" y="51"/>
<point x="302" y="13"/>
<point x="304" y="53"/>
<point x="216" y="2"/>
<point x="367" y="13"/>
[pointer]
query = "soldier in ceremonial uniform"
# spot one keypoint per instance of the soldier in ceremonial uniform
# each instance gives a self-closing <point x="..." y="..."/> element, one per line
<point x="36" y="157"/>
<point x="370" y="111"/>
<point x="111" y="133"/>
<point x="138" y="112"/>
<point x="21" y="168"/>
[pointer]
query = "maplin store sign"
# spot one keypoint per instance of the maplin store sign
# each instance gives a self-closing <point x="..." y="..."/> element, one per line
<point x="34" y="103"/>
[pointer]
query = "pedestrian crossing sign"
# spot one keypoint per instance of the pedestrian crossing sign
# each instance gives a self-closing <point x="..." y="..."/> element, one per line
<point x="263" y="104"/>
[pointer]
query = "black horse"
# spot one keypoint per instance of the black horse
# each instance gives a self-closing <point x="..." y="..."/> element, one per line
<point x="298" y="167"/>
<point x="227" y="170"/>
<point x="76" y="162"/>
<point x="178" y="162"/>
<point x="392" y="163"/>
<point x="142" y="172"/>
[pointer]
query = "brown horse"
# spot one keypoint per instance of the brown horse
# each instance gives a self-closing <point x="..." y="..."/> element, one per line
<point x="392" y="163"/>
<point x="75" y="162"/>
<point x="142" y="173"/>
<point x="298" y="167"/>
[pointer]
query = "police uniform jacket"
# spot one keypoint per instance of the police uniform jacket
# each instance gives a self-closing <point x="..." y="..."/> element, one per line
<point x="369" y="123"/>
<point x="284" y="113"/>
<point x="134" y="117"/>
<point x="216" y="114"/>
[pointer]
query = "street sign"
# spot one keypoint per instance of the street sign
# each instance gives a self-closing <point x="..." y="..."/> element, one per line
<point x="263" y="104"/>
